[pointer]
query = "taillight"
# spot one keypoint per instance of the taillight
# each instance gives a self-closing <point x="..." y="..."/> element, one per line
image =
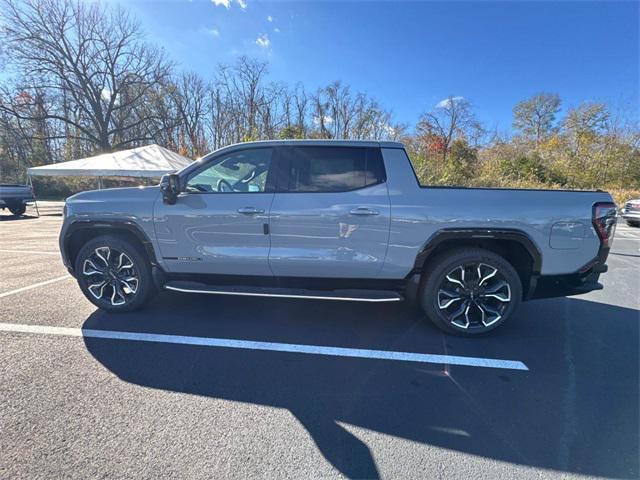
<point x="604" y="221"/>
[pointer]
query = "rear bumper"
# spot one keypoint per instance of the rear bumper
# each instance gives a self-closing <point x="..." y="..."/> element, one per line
<point x="9" y="202"/>
<point x="583" y="281"/>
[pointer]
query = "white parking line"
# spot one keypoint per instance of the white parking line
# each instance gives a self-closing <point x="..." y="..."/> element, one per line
<point x="35" y="285"/>
<point x="41" y="252"/>
<point x="270" y="346"/>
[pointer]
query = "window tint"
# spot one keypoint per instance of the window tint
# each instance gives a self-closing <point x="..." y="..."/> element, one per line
<point x="333" y="169"/>
<point x="243" y="171"/>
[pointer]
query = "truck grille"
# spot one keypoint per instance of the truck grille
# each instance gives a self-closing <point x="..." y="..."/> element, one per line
<point x="632" y="207"/>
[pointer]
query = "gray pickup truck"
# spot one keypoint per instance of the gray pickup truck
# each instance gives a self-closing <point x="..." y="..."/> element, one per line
<point x="336" y="220"/>
<point x="16" y="198"/>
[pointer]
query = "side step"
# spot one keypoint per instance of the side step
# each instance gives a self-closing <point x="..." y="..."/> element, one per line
<point x="342" y="295"/>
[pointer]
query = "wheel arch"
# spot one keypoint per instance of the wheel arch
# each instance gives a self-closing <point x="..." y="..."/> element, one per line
<point x="80" y="233"/>
<point x="515" y="246"/>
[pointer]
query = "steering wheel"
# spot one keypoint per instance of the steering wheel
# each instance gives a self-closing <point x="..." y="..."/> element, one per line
<point x="224" y="186"/>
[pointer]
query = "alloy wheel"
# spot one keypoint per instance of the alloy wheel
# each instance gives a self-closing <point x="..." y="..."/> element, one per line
<point x="473" y="296"/>
<point x="111" y="276"/>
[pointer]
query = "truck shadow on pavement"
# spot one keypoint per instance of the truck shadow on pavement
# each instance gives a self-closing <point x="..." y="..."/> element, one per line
<point x="575" y="410"/>
<point x="7" y="218"/>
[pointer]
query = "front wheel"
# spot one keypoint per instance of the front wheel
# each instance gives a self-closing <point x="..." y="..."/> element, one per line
<point x="18" y="210"/>
<point x="114" y="274"/>
<point x="470" y="291"/>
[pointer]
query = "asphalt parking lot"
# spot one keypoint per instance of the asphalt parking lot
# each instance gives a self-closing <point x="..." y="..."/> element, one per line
<point x="74" y="405"/>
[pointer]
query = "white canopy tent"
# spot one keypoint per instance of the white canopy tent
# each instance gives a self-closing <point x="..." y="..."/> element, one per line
<point x="149" y="161"/>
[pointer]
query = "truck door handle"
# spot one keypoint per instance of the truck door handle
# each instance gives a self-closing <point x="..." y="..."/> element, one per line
<point x="363" y="211"/>
<point x="250" y="210"/>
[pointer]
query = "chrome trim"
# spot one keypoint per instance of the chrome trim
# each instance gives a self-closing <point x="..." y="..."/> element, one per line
<point x="283" y="295"/>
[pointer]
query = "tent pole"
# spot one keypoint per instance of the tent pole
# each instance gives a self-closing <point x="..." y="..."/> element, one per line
<point x="33" y="190"/>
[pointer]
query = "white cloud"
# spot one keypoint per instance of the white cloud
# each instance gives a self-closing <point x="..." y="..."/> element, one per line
<point x="214" y="32"/>
<point x="326" y="118"/>
<point x="263" y="41"/>
<point x="277" y="30"/>
<point x="107" y="95"/>
<point x="446" y="101"/>
<point x="269" y="18"/>
<point x="227" y="3"/>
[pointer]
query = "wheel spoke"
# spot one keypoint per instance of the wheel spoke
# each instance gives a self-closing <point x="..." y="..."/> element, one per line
<point x="97" y="289"/>
<point x="103" y="253"/>
<point x="492" y="273"/>
<point x="487" y="321"/>
<point x="117" y="292"/>
<point x="130" y="284"/>
<point x="459" y="312"/>
<point x="500" y="291"/>
<point x="449" y="298"/>
<point x="92" y="268"/>
<point x="455" y="280"/>
<point x="124" y="262"/>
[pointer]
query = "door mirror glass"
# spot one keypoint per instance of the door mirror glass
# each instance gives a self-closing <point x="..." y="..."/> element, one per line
<point x="170" y="188"/>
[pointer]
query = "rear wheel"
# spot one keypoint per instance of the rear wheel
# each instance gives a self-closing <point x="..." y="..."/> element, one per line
<point x="114" y="274"/>
<point x="18" y="210"/>
<point x="470" y="291"/>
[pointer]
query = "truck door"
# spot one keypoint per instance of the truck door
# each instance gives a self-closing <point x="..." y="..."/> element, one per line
<point x="219" y="224"/>
<point x="330" y="215"/>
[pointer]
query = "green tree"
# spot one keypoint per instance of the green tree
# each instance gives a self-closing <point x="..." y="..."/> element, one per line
<point x="461" y="163"/>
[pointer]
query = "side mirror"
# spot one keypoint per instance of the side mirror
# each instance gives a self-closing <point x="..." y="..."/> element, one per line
<point x="170" y="188"/>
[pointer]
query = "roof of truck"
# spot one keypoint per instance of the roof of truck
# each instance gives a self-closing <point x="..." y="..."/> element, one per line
<point x="282" y="143"/>
<point x="318" y="143"/>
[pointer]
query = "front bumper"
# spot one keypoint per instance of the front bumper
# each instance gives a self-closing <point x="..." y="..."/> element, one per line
<point x="583" y="281"/>
<point x="63" y="243"/>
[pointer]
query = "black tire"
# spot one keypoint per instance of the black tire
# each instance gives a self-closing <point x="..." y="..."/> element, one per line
<point x="133" y="294"/>
<point x="633" y="223"/>
<point x="18" y="210"/>
<point x="483" y="303"/>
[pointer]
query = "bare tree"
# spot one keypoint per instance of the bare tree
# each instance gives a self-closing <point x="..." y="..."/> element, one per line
<point x="191" y="99"/>
<point x="91" y="56"/>
<point x="535" y="117"/>
<point x="452" y="118"/>
<point x="587" y="118"/>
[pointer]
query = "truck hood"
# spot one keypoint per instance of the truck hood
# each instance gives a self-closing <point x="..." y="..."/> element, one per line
<point x="115" y="194"/>
<point x="123" y="203"/>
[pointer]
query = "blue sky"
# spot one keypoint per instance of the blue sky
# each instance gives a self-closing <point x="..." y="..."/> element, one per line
<point x="410" y="55"/>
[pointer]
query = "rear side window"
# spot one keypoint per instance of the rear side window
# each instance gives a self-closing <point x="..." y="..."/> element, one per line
<point x="332" y="169"/>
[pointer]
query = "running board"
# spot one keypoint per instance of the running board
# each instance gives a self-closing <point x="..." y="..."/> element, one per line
<point x="341" y="295"/>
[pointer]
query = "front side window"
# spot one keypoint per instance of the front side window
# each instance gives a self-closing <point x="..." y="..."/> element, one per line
<point x="244" y="171"/>
<point x="334" y="169"/>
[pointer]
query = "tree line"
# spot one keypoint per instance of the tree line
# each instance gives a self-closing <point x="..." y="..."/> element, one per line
<point x="81" y="78"/>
